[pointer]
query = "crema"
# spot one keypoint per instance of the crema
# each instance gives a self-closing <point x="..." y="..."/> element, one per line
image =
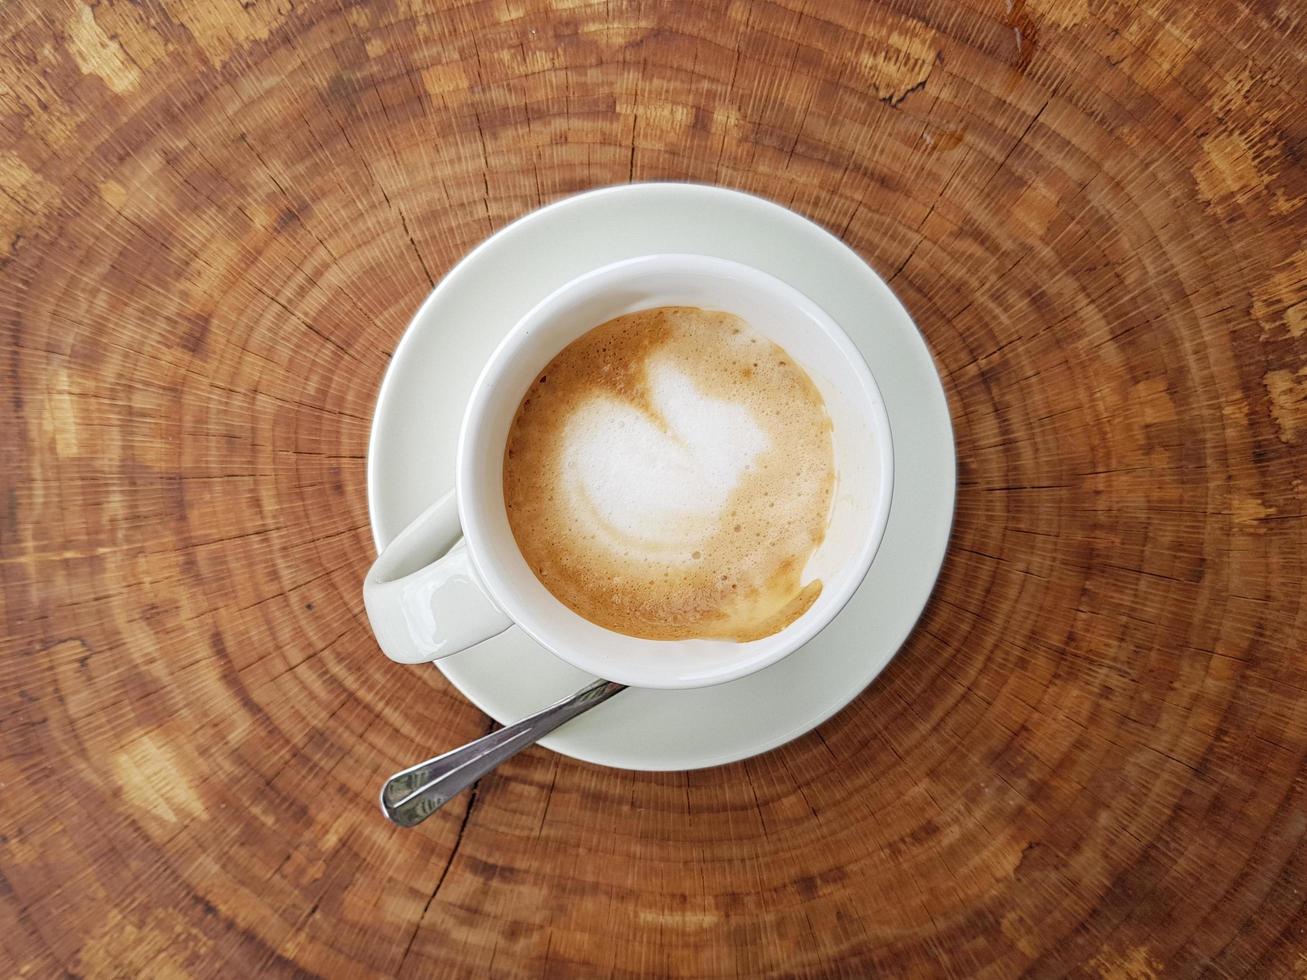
<point x="669" y="474"/>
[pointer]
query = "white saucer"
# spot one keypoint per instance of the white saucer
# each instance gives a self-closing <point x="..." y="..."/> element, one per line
<point x="415" y="429"/>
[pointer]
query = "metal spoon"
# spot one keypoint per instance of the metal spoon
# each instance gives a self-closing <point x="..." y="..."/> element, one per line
<point x="410" y="796"/>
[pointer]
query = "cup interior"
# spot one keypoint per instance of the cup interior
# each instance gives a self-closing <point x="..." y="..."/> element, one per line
<point x="861" y="437"/>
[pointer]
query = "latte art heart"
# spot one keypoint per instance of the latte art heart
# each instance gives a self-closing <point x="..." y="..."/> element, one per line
<point x="652" y="484"/>
<point x="669" y="474"/>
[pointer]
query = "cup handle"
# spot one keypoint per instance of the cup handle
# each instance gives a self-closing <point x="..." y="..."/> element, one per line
<point x="423" y="597"/>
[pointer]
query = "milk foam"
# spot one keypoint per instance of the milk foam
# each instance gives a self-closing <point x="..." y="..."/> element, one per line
<point x="651" y="484"/>
<point x="669" y="474"/>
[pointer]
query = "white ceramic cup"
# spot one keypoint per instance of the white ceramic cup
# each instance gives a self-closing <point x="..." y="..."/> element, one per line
<point x="455" y="577"/>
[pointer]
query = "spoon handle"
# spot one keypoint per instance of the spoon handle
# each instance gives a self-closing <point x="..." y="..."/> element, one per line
<point x="410" y="796"/>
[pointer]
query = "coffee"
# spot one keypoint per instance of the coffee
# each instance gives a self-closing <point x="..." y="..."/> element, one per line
<point x="669" y="474"/>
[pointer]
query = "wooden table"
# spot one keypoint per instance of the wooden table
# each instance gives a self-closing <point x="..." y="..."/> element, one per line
<point x="216" y="220"/>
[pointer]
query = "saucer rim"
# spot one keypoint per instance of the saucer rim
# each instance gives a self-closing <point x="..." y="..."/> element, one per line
<point x="560" y="742"/>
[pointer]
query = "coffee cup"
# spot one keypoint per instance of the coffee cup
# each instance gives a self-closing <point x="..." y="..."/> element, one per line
<point x="455" y="576"/>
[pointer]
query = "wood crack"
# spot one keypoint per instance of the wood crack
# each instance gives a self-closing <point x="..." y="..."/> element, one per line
<point x="473" y="793"/>
<point x="894" y="101"/>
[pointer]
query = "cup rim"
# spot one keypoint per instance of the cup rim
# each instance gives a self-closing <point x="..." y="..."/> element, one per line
<point x="472" y="512"/>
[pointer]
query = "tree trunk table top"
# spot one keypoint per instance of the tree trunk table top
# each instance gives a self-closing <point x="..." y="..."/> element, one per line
<point x="215" y="222"/>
